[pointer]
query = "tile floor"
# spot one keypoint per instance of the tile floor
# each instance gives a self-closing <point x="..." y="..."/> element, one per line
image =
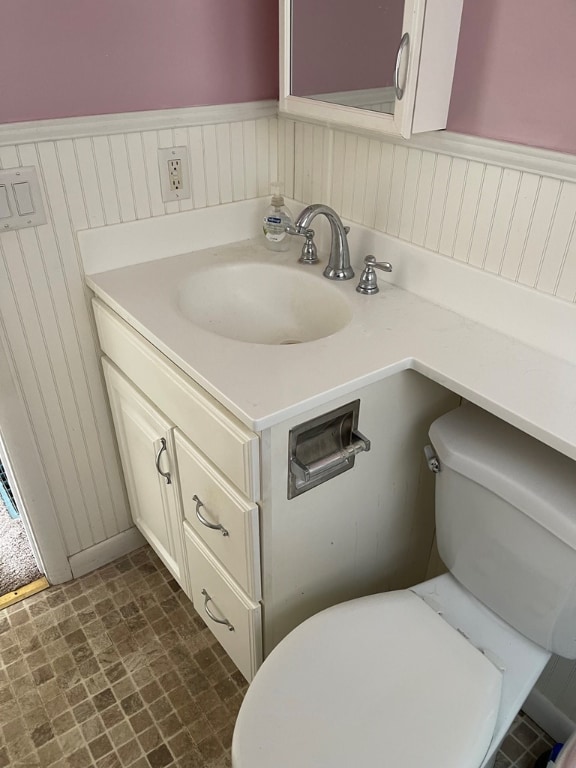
<point x="524" y="743"/>
<point x="116" y="670"/>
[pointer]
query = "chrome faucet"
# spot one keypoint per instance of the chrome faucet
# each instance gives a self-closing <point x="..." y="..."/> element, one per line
<point x="338" y="267"/>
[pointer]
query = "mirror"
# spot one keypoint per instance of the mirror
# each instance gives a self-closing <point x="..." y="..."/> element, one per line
<point x="344" y="52"/>
<point x="377" y="65"/>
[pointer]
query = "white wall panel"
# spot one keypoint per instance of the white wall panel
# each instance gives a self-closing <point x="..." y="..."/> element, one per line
<point x="501" y="220"/>
<point x="440" y="186"/>
<point x="106" y="179"/>
<point x="89" y="180"/>
<point x="286" y="144"/>
<point x="557" y="247"/>
<point x="336" y="162"/>
<point x="135" y="148"/>
<point x="372" y="177"/>
<point x="152" y="172"/>
<point x="263" y="157"/>
<point x="360" y="179"/>
<point x="516" y="223"/>
<point x="250" y="158"/>
<point x="122" y="177"/>
<point x="197" y="168"/>
<point x="237" y="161"/>
<point x="384" y="186"/>
<point x="94" y="181"/>
<point x="71" y="183"/>
<point x="468" y="210"/>
<point x="453" y="206"/>
<point x="349" y="174"/>
<point x="407" y="214"/>
<point x="567" y="280"/>
<point x="397" y="187"/>
<point x="223" y="149"/>
<point x="424" y="197"/>
<point x="520" y="224"/>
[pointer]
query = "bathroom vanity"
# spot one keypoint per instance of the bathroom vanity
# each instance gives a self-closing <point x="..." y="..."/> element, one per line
<point x="211" y="495"/>
<point x="204" y="425"/>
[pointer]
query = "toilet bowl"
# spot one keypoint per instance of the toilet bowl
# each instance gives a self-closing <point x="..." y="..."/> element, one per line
<point x="418" y="677"/>
<point x="433" y="676"/>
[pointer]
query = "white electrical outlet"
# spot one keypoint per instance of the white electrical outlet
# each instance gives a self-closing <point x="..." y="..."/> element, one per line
<point x="174" y="173"/>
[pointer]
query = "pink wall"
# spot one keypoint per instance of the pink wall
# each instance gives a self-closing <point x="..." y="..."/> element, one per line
<point x="516" y="71"/>
<point x="356" y="49"/>
<point x="514" y="75"/>
<point x="63" y="58"/>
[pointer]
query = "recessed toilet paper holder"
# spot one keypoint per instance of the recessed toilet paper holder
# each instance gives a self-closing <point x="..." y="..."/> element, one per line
<point x="324" y="447"/>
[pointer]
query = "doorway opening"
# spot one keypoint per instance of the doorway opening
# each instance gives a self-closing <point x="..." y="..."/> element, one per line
<point x="20" y="571"/>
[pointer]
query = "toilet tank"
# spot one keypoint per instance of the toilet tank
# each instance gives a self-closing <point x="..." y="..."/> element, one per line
<point x="506" y="523"/>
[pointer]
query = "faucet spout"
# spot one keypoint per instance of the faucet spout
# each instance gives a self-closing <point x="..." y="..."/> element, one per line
<point x="338" y="267"/>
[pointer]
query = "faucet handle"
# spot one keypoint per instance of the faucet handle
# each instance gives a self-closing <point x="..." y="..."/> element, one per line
<point x="309" y="253"/>
<point x="370" y="261"/>
<point x="368" y="284"/>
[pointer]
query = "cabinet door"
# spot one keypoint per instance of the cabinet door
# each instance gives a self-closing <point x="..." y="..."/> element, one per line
<point x="145" y="441"/>
<point x="397" y="77"/>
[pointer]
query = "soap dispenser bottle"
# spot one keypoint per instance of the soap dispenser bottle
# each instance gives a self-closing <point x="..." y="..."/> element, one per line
<point x="276" y="218"/>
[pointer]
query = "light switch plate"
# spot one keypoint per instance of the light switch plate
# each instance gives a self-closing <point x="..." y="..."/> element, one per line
<point x="22" y="193"/>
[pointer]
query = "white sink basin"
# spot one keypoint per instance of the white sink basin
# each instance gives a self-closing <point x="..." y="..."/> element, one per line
<point x="263" y="303"/>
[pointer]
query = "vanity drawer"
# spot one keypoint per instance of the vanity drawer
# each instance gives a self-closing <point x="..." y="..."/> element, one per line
<point x="218" y="434"/>
<point x="218" y="599"/>
<point x="219" y="503"/>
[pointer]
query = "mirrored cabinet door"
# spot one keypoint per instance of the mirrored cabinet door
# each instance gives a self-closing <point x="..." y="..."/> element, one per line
<point x="383" y="65"/>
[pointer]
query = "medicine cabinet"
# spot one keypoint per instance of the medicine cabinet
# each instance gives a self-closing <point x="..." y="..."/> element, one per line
<point x="383" y="65"/>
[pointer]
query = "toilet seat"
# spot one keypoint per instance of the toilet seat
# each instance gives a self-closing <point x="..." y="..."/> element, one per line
<point x="382" y="680"/>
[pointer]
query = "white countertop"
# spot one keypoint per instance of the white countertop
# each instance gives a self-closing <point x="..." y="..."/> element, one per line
<point x="391" y="331"/>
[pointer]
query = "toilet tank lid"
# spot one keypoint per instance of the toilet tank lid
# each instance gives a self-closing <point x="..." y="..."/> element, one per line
<point x="524" y="472"/>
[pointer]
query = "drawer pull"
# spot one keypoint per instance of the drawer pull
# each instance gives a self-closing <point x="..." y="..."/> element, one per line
<point x="210" y="615"/>
<point x="165" y="475"/>
<point x="205" y="522"/>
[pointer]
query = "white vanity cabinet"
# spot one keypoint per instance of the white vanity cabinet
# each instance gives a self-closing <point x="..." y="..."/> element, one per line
<point x="192" y="474"/>
<point x="145" y="441"/>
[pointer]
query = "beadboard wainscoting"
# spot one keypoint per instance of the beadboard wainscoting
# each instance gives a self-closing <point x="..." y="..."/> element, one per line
<point x="501" y="208"/>
<point x="107" y="174"/>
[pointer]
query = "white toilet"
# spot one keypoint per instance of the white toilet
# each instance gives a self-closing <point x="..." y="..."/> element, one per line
<point x="433" y="676"/>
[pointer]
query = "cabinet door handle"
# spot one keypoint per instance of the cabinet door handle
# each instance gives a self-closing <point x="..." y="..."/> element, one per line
<point x="210" y="615"/>
<point x="398" y="89"/>
<point x="165" y="475"/>
<point x="213" y="526"/>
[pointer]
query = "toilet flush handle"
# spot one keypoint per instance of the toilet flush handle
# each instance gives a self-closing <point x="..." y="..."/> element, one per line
<point x="432" y="459"/>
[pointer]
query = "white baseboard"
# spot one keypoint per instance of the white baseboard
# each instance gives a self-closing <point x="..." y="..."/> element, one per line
<point x="105" y="552"/>
<point x="548" y="716"/>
